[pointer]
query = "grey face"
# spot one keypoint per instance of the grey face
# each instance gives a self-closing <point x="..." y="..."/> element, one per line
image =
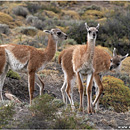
<point x="92" y="32"/>
<point x="57" y="34"/>
<point x="115" y="62"/>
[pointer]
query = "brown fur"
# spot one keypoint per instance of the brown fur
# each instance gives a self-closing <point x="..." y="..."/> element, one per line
<point x="101" y="59"/>
<point x="2" y="59"/>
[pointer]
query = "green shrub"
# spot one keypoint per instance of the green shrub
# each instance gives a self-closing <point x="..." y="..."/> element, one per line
<point x="69" y="120"/>
<point x="43" y="110"/>
<point x="32" y="31"/>
<point x="93" y="13"/>
<point x="55" y="58"/>
<point x="13" y="75"/>
<point x="6" y="115"/>
<point x="116" y="94"/>
<point x="4" y="29"/>
<point x="20" y="11"/>
<point x="51" y="7"/>
<point x="112" y="32"/>
<point x="78" y="31"/>
<point x="33" y="7"/>
<point x="43" y="107"/>
<point x="125" y="67"/>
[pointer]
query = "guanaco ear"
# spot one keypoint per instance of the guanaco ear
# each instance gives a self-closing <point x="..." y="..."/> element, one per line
<point x="87" y="27"/>
<point x="98" y="26"/>
<point x="47" y="31"/>
<point x="123" y="57"/>
<point x="114" y="52"/>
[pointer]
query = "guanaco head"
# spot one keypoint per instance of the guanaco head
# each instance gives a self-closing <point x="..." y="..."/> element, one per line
<point x="92" y="32"/>
<point x="57" y="34"/>
<point x="116" y="61"/>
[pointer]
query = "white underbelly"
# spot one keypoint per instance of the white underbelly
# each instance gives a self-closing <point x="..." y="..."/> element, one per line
<point x="15" y="64"/>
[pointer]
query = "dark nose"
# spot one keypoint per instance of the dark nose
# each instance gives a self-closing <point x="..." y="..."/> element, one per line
<point x="111" y="67"/>
<point x="65" y="36"/>
<point x="94" y="35"/>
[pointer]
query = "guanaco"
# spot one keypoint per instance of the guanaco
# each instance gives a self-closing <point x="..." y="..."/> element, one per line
<point x="79" y="62"/>
<point x="27" y="59"/>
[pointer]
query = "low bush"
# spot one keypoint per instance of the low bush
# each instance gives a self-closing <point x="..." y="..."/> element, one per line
<point x="20" y="11"/>
<point x="50" y="7"/>
<point x="4" y="29"/>
<point x="39" y="24"/>
<point x="47" y="113"/>
<point x="51" y="14"/>
<point x="115" y="94"/>
<point x="31" y="18"/>
<point x="32" y="31"/>
<point x="5" y="18"/>
<point x="125" y="67"/>
<point x="69" y="14"/>
<point x="33" y="7"/>
<point x="43" y="110"/>
<point x="13" y="75"/>
<point x="93" y="13"/>
<point x="124" y="76"/>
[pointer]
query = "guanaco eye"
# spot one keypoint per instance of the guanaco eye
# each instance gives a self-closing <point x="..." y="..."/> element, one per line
<point x="118" y="64"/>
<point x="58" y="33"/>
<point x="111" y="60"/>
<point x="96" y="32"/>
<point x="89" y="31"/>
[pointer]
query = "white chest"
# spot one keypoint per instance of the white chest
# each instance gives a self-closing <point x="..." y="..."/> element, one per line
<point x="86" y="68"/>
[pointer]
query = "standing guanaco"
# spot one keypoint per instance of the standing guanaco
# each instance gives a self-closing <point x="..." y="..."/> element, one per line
<point x="27" y="59"/>
<point x="79" y="61"/>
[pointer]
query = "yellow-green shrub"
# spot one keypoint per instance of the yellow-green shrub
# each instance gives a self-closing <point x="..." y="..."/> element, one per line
<point x="72" y="14"/>
<point x="93" y="13"/>
<point x="55" y="58"/>
<point x="64" y="29"/>
<point x="5" y="18"/>
<point x="105" y="49"/>
<point x="13" y="74"/>
<point x="116" y="94"/>
<point x="50" y="14"/>
<point x="126" y="65"/>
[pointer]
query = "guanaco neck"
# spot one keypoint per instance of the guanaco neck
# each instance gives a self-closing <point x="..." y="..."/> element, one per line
<point x="90" y="47"/>
<point x="51" y="48"/>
